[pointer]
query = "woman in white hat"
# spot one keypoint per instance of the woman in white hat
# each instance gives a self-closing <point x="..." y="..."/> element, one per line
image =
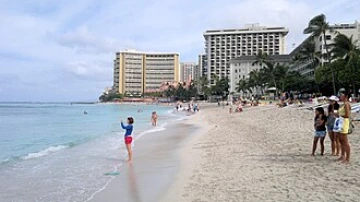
<point x="332" y="109"/>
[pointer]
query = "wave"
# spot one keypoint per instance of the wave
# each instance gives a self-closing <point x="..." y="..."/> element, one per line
<point x="153" y="130"/>
<point x="47" y="151"/>
<point x="6" y="160"/>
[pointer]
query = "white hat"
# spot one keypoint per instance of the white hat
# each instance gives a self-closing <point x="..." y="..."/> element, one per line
<point x="334" y="98"/>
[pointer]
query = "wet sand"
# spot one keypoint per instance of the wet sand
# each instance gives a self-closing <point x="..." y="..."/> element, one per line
<point x="153" y="169"/>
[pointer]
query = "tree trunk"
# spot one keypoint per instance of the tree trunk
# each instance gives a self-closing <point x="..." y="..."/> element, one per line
<point x="354" y="88"/>
<point x="276" y="89"/>
<point x="329" y="60"/>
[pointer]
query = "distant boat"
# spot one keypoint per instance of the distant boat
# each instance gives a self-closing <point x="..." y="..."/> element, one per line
<point x="85" y="112"/>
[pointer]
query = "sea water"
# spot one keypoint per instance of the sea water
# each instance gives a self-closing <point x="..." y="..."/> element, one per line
<point x="56" y="152"/>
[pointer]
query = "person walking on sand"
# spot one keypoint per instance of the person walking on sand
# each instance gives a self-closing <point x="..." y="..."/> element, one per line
<point x="332" y="108"/>
<point x="127" y="137"/>
<point x="154" y="118"/>
<point x="342" y="126"/>
<point x="320" y="130"/>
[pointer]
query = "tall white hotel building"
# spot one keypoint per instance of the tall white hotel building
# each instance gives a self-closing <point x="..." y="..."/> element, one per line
<point x="223" y="45"/>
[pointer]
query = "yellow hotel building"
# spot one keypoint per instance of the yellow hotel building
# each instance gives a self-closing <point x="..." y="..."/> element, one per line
<point x="140" y="72"/>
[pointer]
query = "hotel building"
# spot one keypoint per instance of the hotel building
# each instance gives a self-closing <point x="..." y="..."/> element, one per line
<point x="346" y="29"/>
<point x="140" y="72"/>
<point x="187" y="71"/>
<point x="202" y="65"/>
<point x="241" y="67"/>
<point x="223" y="45"/>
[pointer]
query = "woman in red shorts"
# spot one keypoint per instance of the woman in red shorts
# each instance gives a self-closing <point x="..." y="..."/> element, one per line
<point x="127" y="136"/>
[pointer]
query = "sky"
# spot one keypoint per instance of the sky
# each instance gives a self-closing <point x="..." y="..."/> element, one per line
<point x="62" y="50"/>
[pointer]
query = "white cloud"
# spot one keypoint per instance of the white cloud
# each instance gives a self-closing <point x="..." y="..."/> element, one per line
<point x="76" y="40"/>
<point x="94" y="70"/>
<point x="83" y="41"/>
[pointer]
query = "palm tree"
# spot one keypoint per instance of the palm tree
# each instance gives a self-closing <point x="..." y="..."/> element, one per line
<point x="262" y="58"/>
<point x="243" y="86"/>
<point x="318" y="27"/>
<point x="281" y="74"/>
<point x="268" y="66"/>
<point x="169" y="91"/>
<point x="308" y="54"/>
<point x="346" y="48"/>
<point x="203" y="83"/>
<point x="258" y="78"/>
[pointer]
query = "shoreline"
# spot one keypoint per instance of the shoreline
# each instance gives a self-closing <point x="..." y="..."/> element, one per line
<point x="68" y="162"/>
<point x="157" y="161"/>
<point x="188" y="156"/>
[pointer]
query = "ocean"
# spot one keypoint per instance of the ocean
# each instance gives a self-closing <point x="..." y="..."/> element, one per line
<point x="56" y="152"/>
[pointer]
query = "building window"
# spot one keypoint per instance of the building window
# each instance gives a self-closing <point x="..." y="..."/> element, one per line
<point x="235" y="70"/>
<point x="328" y="37"/>
<point x="320" y="39"/>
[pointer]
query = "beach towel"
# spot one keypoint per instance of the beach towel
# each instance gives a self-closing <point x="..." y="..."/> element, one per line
<point x="338" y="125"/>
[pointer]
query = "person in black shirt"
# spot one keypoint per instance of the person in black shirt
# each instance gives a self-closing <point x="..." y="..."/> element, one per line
<point x="320" y="129"/>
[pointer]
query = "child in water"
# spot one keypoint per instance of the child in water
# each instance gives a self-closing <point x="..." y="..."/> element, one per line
<point x="154" y="118"/>
<point x="320" y="129"/>
<point x="127" y="137"/>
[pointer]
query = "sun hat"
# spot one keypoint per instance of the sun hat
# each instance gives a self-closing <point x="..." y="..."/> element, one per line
<point x="334" y="98"/>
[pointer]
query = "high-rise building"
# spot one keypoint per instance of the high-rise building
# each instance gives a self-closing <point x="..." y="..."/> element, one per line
<point x="187" y="71"/>
<point x="202" y="65"/>
<point x="138" y="72"/>
<point x="349" y="30"/>
<point x="197" y="72"/>
<point x="223" y="45"/>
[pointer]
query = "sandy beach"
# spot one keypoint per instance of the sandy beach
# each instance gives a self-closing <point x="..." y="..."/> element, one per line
<point x="262" y="154"/>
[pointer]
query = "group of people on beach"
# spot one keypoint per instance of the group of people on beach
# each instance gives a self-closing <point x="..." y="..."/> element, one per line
<point x="337" y="123"/>
<point x="191" y="108"/>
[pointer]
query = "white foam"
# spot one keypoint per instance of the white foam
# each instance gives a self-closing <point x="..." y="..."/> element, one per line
<point x="47" y="151"/>
<point x="7" y="159"/>
<point x="153" y="130"/>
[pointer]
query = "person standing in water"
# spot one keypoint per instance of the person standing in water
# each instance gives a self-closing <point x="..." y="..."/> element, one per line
<point x="154" y="118"/>
<point x="127" y="137"/>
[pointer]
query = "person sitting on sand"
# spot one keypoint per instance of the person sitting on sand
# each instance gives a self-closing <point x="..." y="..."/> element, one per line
<point x="154" y="118"/>
<point x="320" y="130"/>
<point x="300" y="103"/>
<point x="239" y="109"/>
<point x="127" y="137"/>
